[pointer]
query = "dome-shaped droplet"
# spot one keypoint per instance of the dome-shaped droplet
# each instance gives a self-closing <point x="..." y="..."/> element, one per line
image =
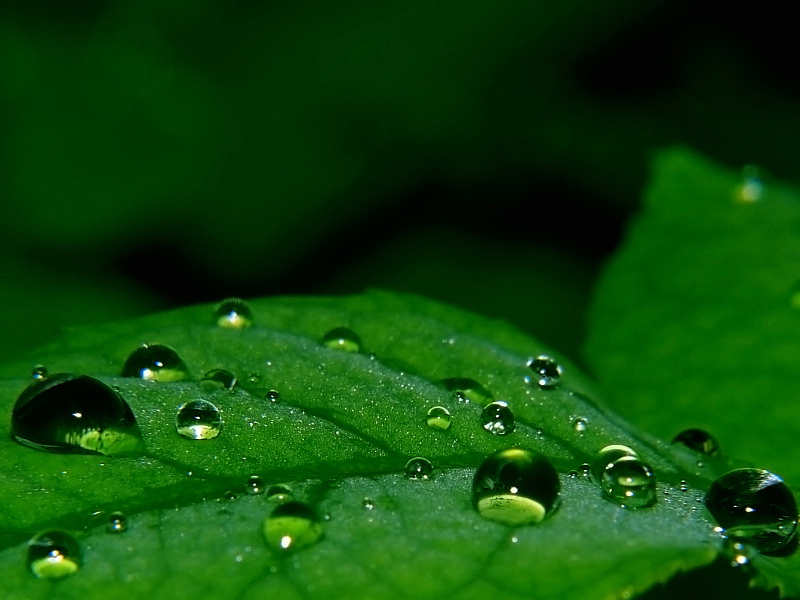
<point x="292" y="526"/>
<point x="117" y="522"/>
<point x="630" y="482"/>
<point x="254" y="485"/>
<point x="497" y="418"/>
<point x="53" y="554"/>
<point x="546" y="371"/>
<point x="419" y="467"/>
<point x="608" y="455"/>
<point x="74" y="413"/>
<point x="342" y="338"/>
<point x="580" y="424"/>
<point x="155" y="362"/>
<point x="698" y="440"/>
<point x="233" y="313"/>
<point x="515" y="487"/>
<point x="274" y="396"/>
<point x="39" y="372"/>
<point x="438" y="417"/>
<point x="217" y="379"/>
<point x="464" y="389"/>
<point x="754" y="506"/>
<point x="280" y="493"/>
<point x="198" y="420"/>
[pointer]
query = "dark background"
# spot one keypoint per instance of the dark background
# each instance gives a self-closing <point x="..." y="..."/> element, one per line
<point x="487" y="154"/>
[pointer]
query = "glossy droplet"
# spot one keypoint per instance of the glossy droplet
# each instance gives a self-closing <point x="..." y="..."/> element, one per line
<point x="53" y="554"/>
<point x="156" y="363"/>
<point x="608" y="455"/>
<point x="546" y="371"/>
<point x="438" y="417"/>
<point x="39" y="372"/>
<point x="198" y="420"/>
<point x="74" y="413"/>
<point x="464" y="389"/>
<point x="515" y="487"/>
<point x="419" y="468"/>
<point x="580" y="425"/>
<point x="698" y="440"/>
<point x="117" y="522"/>
<point x="497" y="418"/>
<point x="368" y="504"/>
<point x="274" y="396"/>
<point x="217" y="379"/>
<point x="280" y="493"/>
<point x="254" y="485"/>
<point x="342" y="338"/>
<point x="751" y="187"/>
<point x="754" y="506"/>
<point x="630" y="482"/>
<point x="233" y="313"/>
<point x="292" y="526"/>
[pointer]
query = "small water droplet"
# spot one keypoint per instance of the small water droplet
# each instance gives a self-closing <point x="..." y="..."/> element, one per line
<point x="217" y="379"/>
<point x="497" y="418"/>
<point x="233" y="313"/>
<point x="53" y="554"/>
<point x="438" y="417"/>
<point x="274" y="396"/>
<point x="515" y="487"/>
<point x="292" y="526"/>
<point x="572" y="474"/>
<point x="630" y="482"/>
<point x="751" y="187"/>
<point x="39" y="372"/>
<point x="342" y="338"/>
<point x="280" y="493"/>
<point x="419" y="468"/>
<point x="684" y="487"/>
<point x="465" y="390"/>
<point x="230" y="496"/>
<point x="754" y="506"/>
<point x="586" y="469"/>
<point x="155" y="362"/>
<point x="254" y="485"/>
<point x="546" y="371"/>
<point x="580" y="424"/>
<point x="74" y="413"/>
<point x="198" y="420"/>
<point x="608" y="455"/>
<point x="368" y="504"/>
<point x="117" y="522"/>
<point x="698" y="440"/>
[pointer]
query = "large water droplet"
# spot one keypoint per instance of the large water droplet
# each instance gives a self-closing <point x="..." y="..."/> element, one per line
<point x="342" y="338"/>
<point x="117" y="522"/>
<point x="467" y="390"/>
<point x="292" y="526"/>
<point x="515" y="487"/>
<point x="155" y="362"/>
<point x="438" y="417"/>
<point x="754" y="506"/>
<point x="698" y="440"/>
<point x="546" y="371"/>
<point x="74" y="413"/>
<point x="280" y="493"/>
<point x="497" y="418"/>
<point x="630" y="482"/>
<point x="53" y="554"/>
<point x="217" y="379"/>
<point x="198" y="420"/>
<point x="233" y="313"/>
<point x="419" y="467"/>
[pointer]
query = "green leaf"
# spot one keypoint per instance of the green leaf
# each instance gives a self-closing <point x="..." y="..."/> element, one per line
<point x="345" y="426"/>
<point x="696" y="322"/>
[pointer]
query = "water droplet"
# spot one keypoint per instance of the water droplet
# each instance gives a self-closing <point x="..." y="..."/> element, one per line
<point x="117" y="522"/>
<point x="546" y="371"/>
<point x="274" y="396"/>
<point x="438" y="417"/>
<point x="754" y="506"/>
<point x="419" y="468"/>
<point x="53" y="554"/>
<point x="39" y="372"/>
<point x="608" y="455"/>
<point x="156" y="363"/>
<point x="292" y="526"/>
<point x="586" y="469"/>
<point x="580" y="424"/>
<point x="198" y="420"/>
<point x="217" y="379"/>
<point x="254" y="485"/>
<point x="630" y="482"/>
<point x="280" y="493"/>
<point x="684" y="487"/>
<point x="515" y="487"/>
<point x="342" y="338"/>
<point x="751" y="187"/>
<point x="464" y="389"/>
<point x="497" y="418"/>
<point x="74" y="413"/>
<point x="368" y="504"/>
<point x="233" y="313"/>
<point x="698" y="440"/>
<point x="572" y="474"/>
<point x="230" y="496"/>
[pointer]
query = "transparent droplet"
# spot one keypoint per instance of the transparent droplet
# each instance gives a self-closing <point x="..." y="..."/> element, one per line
<point x="292" y="526"/>
<point x="464" y="389"/>
<point x="586" y="469"/>
<point x="280" y="493"/>
<point x="546" y="371"/>
<point x="368" y="504"/>
<point x="342" y="338"/>
<point x="580" y="424"/>
<point x="698" y="440"/>
<point x="438" y="417"/>
<point x="198" y="420"/>
<point x="608" y="455"/>
<point x="53" y="554"/>
<point x="74" y="413"/>
<point x="39" y="372"/>
<point x="155" y="362"/>
<point x="217" y="379"/>
<point x="515" y="487"/>
<point x="233" y="313"/>
<point x="630" y="482"/>
<point x="751" y="187"/>
<point x="684" y="487"/>
<point x="254" y="485"/>
<point x="754" y="506"/>
<point x="497" y="418"/>
<point x="419" y="468"/>
<point x="274" y="396"/>
<point x="117" y="522"/>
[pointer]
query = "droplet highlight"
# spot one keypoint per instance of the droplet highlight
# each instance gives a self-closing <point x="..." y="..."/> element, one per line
<point x="630" y="482"/>
<point x="546" y="371"/>
<point x="342" y="338"/>
<point x="497" y="418"/>
<point x="419" y="467"/>
<point x="233" y="313"/>
<point x="155" y="362"/>
<point x="698" y="440"/>
<point x="292" y="526"/>
<point x="198" y="420"/>
<point x="53" y="554"/>
<point x="438" y="417"/>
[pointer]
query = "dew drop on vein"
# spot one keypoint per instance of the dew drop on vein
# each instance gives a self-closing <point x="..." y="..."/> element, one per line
<point x="198" y="420"/>
<point x="53" y="554"/>
<point x="155" y="362"/>
<point x="497" y="418"/>
<point x="292" y="526"/>
<point x="342" y="338"/>
<point x="546" y="372"/>
<point x="233" y="313"/>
